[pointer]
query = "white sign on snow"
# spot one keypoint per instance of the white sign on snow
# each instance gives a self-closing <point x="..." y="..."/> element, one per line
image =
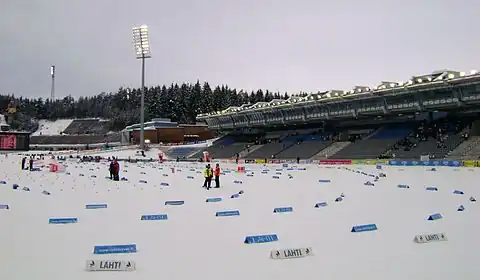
<point x="282" y="254"/>
<point x="427" y="238"/>
<point x="110" y="265"/>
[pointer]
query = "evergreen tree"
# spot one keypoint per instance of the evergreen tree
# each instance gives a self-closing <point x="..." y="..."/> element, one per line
<point x="180" y="103"/>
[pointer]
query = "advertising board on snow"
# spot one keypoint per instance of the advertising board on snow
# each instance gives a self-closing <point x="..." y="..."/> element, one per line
<point x="451" y="163"/>
<point x="335" y="161"/>
<point x="471" y="163"/>
<point x="369" y="161"/>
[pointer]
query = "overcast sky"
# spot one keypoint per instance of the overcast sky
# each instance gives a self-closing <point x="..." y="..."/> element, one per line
<point x="302" y="45"/>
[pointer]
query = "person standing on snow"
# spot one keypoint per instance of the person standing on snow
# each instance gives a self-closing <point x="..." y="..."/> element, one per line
<point x="208" y="174"/>
<point x="116" y="170"/>
<point x="24" y="161"/>
<point x="217" y="175"/>
<point x="111" y="169"/>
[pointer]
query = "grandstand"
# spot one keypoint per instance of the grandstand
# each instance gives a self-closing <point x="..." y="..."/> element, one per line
<point x="228" y="147"/>
<point x="181" y="152"/>
<point x="388" y="141"/>
<point x="303" y="143"/>
<point x="468" y="149"/>
<point x="330" y="150"/>
<point x="269" y="150"/>
<point x="87" y="126"/>
<point x="435" y="139"/>
<point x="375" y="144"/>
<point x="425" y="116"/>
<point x="46" y="127"/>
<point x="73" y="133"/>
<point x="396" y="140"/>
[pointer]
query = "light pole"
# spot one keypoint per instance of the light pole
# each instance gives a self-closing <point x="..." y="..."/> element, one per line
<point x="52" y="89"/>
<point x="142" y="51"/>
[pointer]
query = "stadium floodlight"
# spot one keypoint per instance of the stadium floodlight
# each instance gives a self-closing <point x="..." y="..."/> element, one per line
<point x="142" y="51"/>
<point x="52" y="88"/>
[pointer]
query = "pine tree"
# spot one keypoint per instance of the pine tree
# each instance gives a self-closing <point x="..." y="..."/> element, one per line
<point x="180" y="103"/>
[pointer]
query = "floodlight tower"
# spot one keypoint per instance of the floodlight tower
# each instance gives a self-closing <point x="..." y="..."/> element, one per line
<point x="52" y="89"/>
<point x="142" y="51"/>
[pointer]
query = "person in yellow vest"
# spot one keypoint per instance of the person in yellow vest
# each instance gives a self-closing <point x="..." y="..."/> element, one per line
<point x="208" y="174"/>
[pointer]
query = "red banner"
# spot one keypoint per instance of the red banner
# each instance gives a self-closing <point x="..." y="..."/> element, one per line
<point x="335" y="161"/>
<point x="8" y="142"/>
<point x="274" y="161"/>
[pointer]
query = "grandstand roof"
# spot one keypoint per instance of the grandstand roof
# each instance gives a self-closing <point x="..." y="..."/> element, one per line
<point x="437" y="77"/>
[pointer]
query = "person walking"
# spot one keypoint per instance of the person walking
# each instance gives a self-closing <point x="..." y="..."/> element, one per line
<point x="217" y="175"/>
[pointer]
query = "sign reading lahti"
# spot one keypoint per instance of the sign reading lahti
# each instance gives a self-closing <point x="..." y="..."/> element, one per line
<point x="283" y="254"/>
<point x="433" y="237"/>
<point x="110" y="265"/>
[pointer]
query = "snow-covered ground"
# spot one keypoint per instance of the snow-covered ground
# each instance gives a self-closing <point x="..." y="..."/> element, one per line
<point x="195" y="244"/>
<point x="47" y="127"/>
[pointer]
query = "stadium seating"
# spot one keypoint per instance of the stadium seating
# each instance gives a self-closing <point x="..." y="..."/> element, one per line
<point x="364" y="149"/>
<point x="250" y="149"/>
<point x="474" y="152"/>
<point x="80" y="132"/>
<point x="430" y="147"/>
<point x="220" y="151"/>
<point x="435" y="139"/>
<point x="468" y="149"/>
<point x="392" y="132"/>
<point x="303" y="150"/>
<point x="269" y="150"/>
<point x="87" y="126"/>
<point x="305" y="147"/>
<point x="101" y="127"/>
<point x="218" y="143"/>
<point x="227" y="147"/>
<point x="376" y="144"/>
<point x="331" y="150"/>
<point x="180" y="152"/>
<point x="228" y="151"/>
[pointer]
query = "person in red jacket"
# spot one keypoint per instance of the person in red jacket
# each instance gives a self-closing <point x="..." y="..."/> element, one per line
<point x="217" y="175"/>
<point x="116" y="170"/>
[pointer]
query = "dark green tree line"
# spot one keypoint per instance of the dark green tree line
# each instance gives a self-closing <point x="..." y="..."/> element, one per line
<point x="180" y="103"/>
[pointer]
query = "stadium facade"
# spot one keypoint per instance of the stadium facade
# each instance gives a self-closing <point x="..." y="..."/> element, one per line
<point x="442" y="90"/>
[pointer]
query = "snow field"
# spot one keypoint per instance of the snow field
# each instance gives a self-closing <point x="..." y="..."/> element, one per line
<point x="194" y="243"/>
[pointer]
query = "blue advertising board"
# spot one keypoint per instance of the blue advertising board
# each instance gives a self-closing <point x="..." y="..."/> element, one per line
<point x="450" y="163"/>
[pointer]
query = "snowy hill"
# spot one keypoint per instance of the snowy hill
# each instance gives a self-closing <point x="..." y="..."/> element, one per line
<point x="193" y="243"/>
